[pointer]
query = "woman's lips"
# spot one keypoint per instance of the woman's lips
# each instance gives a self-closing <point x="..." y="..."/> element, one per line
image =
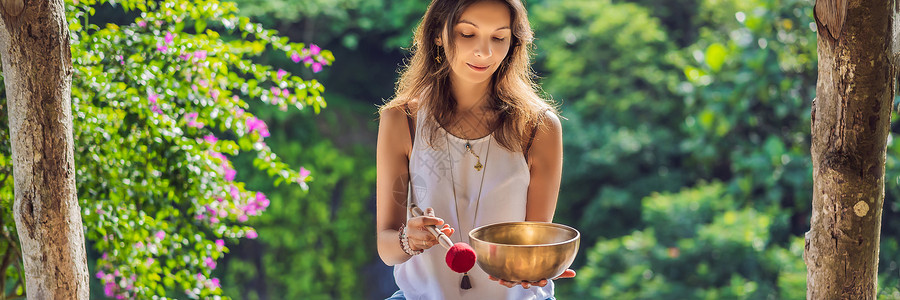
<point x="478" y="68"/>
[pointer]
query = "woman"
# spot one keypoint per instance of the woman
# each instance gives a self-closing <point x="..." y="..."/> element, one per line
<point x="467" y="137"/>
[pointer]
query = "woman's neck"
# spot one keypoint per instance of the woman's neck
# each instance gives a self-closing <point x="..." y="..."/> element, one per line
<point x="469" y="96"/>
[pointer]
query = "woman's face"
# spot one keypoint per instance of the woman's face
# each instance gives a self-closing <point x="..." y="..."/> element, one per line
<point x="481" y="40"/>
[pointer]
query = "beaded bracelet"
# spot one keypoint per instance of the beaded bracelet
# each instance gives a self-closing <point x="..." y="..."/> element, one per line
<point x="404" y="243"/>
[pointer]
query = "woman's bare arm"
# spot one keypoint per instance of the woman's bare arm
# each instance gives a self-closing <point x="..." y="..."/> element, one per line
<point x="392" y="183"/>
<point x="546" y="158"/>
<point x="392" y="161"/>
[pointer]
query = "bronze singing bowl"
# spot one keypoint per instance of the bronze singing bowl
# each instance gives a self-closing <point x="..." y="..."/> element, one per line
<point x="525" y="251"/>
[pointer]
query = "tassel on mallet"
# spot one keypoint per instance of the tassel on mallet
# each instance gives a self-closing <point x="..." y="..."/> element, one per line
<point x="460" y="256"/>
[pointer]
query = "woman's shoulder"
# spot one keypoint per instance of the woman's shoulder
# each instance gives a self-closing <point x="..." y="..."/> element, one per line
<point x="546" y="116"/>
<point x="399" y="106"/>
<point x="398" y="115"/>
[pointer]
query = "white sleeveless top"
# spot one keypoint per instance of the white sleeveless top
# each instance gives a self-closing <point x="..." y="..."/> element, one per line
<point x="504" y="194"/>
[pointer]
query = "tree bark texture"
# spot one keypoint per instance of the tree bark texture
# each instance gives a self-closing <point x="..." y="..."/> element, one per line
<point x="850" y="126"/>
<point x="37" y="71"/>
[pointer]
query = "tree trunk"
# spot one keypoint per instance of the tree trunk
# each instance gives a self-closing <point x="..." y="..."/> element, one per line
<point x="850" y="125"/>
<point x="37" y="71"/>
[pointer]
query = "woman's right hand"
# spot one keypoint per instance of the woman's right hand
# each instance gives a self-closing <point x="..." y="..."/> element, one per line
<point x="418" y="235"/>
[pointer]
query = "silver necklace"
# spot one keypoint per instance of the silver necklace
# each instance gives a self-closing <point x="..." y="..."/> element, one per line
<point x="464" y="282"/>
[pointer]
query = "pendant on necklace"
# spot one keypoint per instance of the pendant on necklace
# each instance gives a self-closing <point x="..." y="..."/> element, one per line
<point x="478" y="165"/>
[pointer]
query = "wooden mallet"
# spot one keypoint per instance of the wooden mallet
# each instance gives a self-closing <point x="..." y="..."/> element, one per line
<point x="460" y="256"/>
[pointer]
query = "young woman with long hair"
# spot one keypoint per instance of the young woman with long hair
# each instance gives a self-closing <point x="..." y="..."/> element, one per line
<point x="468" y="137"/>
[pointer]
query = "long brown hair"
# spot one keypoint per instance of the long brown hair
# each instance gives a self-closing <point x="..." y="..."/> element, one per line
<point x="513" y="91"/>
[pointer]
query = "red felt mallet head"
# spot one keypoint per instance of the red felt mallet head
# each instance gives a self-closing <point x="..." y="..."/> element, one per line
<point x="461" y="257"/>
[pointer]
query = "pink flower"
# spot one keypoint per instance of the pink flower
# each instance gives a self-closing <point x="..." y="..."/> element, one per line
<point x="210" y="263"/>
<point x="162" y="48"/>
<point x="229" y="174"/>
<point x="191" y="119"/>
<point x="281" y="73"/>
<point x="109" y="289"/>
<point x="210" y="210"/>
<point x="251" y="234"/>
<point x="153" y="98"/>
<point x="209" y="138"/>
<point x="220" y="243"/>
<point x="316" y="67"/>
<point x="217" y="155"/>
<point x="275" y="91"/>
<point x="254" y="124"/>
<point x="304" y="173"/>
<point x="242" y="218"/>
<point x="214" y="220"/>
<point x="214" y="94"/>
<point x="215" y="282"/>
<point x="308" y="60"/>
<point x="185" y="57"/>
<point x="142" y="23"/>
<point x="314" y="50"/>
<point x="169" y="38"/>
<point x="150" y="261"/>
<point x="249" y="209"/>
<point x="160" y="234"/>
<point x="235" y="194"/>
<point x="200" y="54"/>
<point x="295" y="57"/>
<point x="285" y="93"/>
<point x="100" y="274"/>
<point x="262" y="200"/>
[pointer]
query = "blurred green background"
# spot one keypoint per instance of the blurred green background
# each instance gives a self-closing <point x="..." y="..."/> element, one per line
<point x="687" y="163"/>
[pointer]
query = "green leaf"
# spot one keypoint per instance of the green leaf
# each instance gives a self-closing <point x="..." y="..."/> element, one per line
<point x="200" y="25"/>
<point x="715" y="56"/>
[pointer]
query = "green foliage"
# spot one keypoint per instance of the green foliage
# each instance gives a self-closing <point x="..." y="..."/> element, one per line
<point x="698" y="245"/>
<point x="645" y="116"/>
<point x="313" y="244"/>
<point x="750" y="87"/>
<point x="157" y="105"/>
<point x="347" y="21"/>
<point x="610" y="64"/>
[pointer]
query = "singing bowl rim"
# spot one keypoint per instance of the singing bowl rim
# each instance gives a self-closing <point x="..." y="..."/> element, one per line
<point x="549" y="224"/>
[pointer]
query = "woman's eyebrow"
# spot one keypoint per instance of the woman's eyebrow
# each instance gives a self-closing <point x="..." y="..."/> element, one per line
<point x="476" y="26"/>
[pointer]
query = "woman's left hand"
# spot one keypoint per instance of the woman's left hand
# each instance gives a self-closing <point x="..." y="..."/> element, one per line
<point x="569" y="273"/>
